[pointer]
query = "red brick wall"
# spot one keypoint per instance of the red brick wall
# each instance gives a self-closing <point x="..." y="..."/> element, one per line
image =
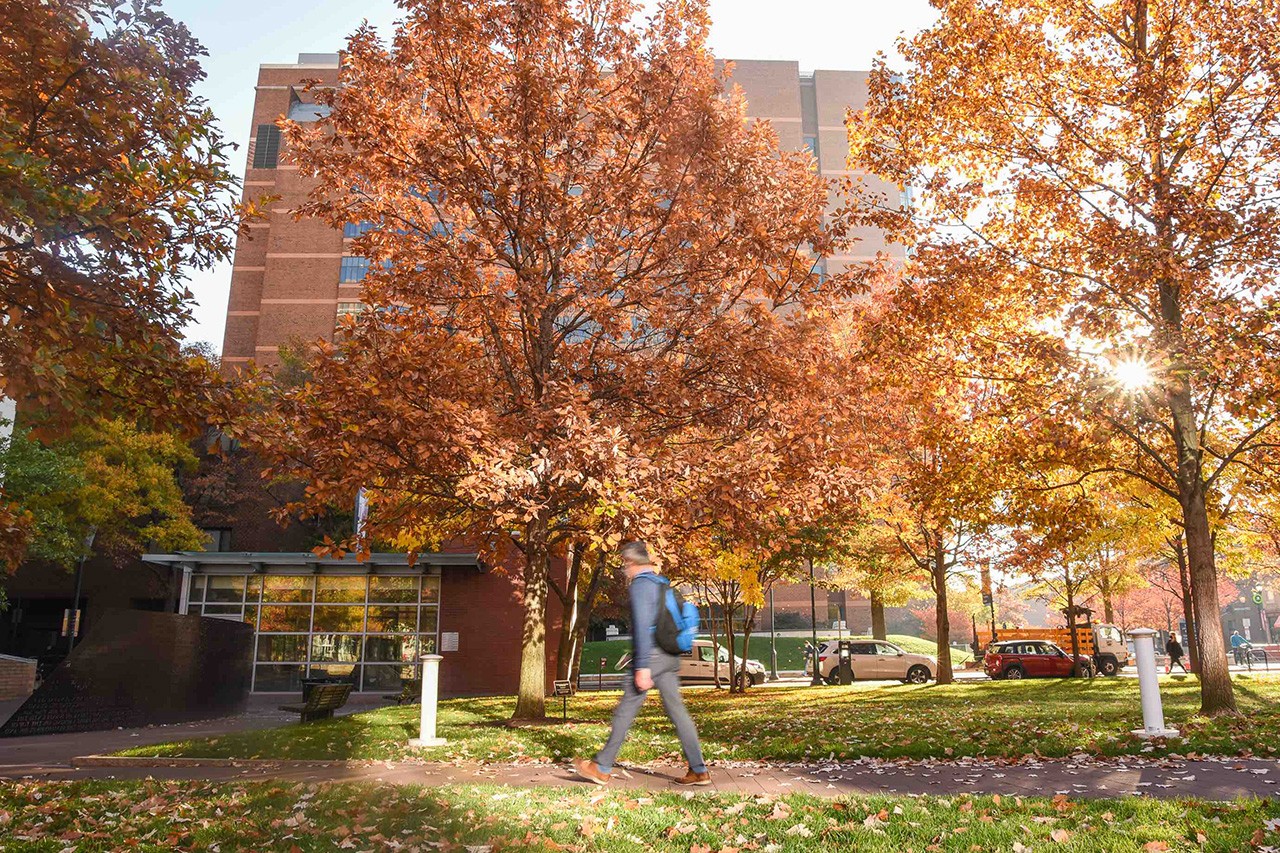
<point x="17" y="677"/>
<point x="486" y="611"/>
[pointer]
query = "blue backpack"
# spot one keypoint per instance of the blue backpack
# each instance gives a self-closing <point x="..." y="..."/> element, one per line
<point x="677" y="619"/>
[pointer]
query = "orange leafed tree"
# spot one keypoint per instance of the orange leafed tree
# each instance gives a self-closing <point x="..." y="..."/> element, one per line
<point x="579" y="248"/>
<point x="1114" y="167"/>
<point x="113" y="184"/>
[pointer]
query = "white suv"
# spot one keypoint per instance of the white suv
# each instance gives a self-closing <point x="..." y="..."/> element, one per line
<point x="699" y="665"/>
<point x="873" y="660"/>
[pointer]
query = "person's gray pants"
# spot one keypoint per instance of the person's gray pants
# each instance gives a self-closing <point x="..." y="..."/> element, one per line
<point x="665" y="670"/>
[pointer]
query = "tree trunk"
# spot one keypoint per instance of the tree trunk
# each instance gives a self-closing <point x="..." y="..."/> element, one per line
<point x="877" y="616"/>
<point x="1071" y="624"/>
<point x="1188" y="609"/>
<point x="943" y="618"/>
<point x="1216" y="693"/>
<point x="588" y="607"/>
<point x="749" y="616"/>
<point x="715" y="641"/>
<point x="531" y="699"/>
<point x="1107" y="610"/>
<point x="578" y="599"/>
<point x="728" y="637"/>
<point x="570" y="612"/>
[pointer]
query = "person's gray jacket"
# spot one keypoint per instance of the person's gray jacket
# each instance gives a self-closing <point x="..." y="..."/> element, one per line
<point x="645" y="593"/>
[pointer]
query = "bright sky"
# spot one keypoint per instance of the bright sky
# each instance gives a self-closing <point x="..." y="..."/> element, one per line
<point x="241" y="34"/>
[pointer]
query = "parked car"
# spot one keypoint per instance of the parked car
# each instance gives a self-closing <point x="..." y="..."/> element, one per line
<point x="700" y="666"/>
<point x="1105" y="643"/>
<point x="873" y="660"/>
<point x="1032" y="659"/>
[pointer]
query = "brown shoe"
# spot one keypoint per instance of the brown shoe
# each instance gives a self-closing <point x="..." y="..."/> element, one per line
<point x="590" y="771"/>
<point x="692" y="778"/>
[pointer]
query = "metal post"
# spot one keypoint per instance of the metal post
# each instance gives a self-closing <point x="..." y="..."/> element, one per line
<point x="184" y="592"/>
<point x="816" y="681"/>
<point x="773" y="640"/>
<point x="1149" y="685"/>
<point x="73" y="624"/>
<point x="430" y="694"/>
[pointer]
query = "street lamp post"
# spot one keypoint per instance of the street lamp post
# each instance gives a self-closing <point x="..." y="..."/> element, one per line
<point x="773" y="639"/>
<point x="816" y="681"/>
<point x="73" y="624"/>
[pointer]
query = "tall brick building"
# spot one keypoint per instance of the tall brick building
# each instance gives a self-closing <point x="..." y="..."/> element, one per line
<point x="293" y="279"/>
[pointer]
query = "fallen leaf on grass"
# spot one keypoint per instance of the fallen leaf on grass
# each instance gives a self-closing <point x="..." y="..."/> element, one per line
<point x="1155" y="846"/>
<point x="801" y="830"/>
<point x="1060" y="836"/>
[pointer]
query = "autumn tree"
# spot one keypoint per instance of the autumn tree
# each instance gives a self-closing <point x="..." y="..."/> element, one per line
<point x="113" y="185"/>
<point x="941" y="488"/>
<point x="1115" y="165"/>
<point x="107" y="478"/>
<point x="579" y="247"/>
<point x="877" y="566"/>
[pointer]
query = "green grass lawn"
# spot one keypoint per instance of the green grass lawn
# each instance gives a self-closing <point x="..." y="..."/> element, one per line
<point x="153" y="816"/>
<point x="1047" y="717"/>
<point x="790" y="650"/>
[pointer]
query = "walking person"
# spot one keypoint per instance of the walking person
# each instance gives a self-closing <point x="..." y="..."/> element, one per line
<point x="651" y="666"/>
<point x="1174" y="650"/>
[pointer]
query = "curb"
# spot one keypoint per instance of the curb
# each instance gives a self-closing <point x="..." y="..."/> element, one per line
<point x="162" y="761"/>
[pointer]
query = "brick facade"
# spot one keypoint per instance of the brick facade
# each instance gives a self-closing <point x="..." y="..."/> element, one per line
<point x="17" y="677"/>
<point x="285" y="280"/>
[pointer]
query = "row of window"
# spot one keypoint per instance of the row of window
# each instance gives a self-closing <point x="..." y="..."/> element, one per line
<point x="274" y="618"/>
<point x="344" y="648"/>
<point x="369" y="629"/>
<point x="287" y="678"/>
<point x="323" y="589"/>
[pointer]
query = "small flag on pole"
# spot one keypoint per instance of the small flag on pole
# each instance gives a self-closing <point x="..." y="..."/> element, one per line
<point x="362" y="512"/>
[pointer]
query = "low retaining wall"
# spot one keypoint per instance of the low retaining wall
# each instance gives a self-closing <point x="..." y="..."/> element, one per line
<point x="139" y="668"/>
<point x="17" y="677"/>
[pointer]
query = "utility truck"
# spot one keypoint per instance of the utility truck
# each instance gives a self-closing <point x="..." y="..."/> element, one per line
<point x="1103" y="643"/>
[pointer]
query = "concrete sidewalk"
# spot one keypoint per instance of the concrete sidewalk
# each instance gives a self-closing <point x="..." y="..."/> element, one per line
<point x="1078" y="778"/>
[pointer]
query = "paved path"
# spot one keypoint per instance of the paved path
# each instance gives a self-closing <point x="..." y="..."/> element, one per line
<point x="22" y="754"/>
<point x="1204" y="779"/>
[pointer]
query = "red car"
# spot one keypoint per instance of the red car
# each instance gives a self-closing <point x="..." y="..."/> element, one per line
<point x="1031" y="659"/>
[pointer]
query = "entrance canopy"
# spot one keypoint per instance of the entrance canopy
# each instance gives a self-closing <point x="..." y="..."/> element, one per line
<point x="305" y="562"/>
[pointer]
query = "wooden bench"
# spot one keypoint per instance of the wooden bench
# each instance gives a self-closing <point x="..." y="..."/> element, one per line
<point x="323" y="700"/>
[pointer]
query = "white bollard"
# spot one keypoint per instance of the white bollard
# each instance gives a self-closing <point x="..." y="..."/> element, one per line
<point x="430" y="693"/>
<point x="1144" y="647"/>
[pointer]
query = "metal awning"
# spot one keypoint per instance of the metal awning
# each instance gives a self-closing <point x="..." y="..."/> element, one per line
<point x="305" y="562"/>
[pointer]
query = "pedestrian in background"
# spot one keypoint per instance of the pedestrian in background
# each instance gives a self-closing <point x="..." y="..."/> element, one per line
<point x="1174" y="650"/>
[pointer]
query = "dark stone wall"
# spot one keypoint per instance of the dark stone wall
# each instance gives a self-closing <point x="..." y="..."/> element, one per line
<point x="136" y="668"/>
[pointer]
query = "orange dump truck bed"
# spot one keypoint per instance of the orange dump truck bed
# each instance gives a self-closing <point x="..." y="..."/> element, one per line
<point x="1061" y="636"/>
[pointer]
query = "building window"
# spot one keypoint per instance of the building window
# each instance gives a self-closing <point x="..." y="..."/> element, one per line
<point x="353" y="269"/>
<point x="811" y="145"/>
<point x="266" y="149"/>
<point x="217" y="538"/>
<point x="349" y="309"/>
<point x="354" y="229"/>
<point x="371" y="629"/>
